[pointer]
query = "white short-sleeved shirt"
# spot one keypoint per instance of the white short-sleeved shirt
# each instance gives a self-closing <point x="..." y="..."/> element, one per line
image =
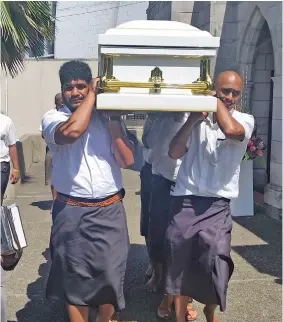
<point x="211" y="167"/>
<point x="162" y="164"/>
<point x="87" y="167"/>
<point x="7" y="137"/>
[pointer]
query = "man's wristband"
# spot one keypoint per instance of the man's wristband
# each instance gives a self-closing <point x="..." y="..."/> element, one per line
<point x="16" y="170"/>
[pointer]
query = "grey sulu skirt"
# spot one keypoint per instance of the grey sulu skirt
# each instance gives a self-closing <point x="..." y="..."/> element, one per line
<point x="89" y="248"/>
<point x="198" y="243"/>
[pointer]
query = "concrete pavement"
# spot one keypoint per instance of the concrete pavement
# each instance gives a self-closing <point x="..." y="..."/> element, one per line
<point x="254" y="292"/>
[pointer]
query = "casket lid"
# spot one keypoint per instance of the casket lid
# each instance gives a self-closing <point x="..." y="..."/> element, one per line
<point x="154" y="33"/>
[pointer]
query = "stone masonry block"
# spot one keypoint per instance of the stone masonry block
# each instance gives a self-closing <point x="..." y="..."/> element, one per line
<point x="261" y="92"/>
<point x="276" y="151"/>
<point x="277" y="86"/>
<point x="226" y="50"/>
<point x="260" y="61"/>
<point x="273" y="195"/>
<point x="260" y="108"/>
<point x="266" y="47"/>
<point x="246" y="54"/>
<point x="262" y="125"/>
<point x="277" y="108"/>
<point x="262" y="76"/>
<point x="276" y="173"/>
<point x="277" y="130"/>
<point x="278" y="62"/>
<point x="269" y="62"/>
<point x="251" y="36"/>
<point x="231" y="11"/>
<point x="229" y="31"/>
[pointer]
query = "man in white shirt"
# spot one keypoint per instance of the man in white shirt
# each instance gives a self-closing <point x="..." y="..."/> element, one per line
<point x="58" y="101"/>
<point x="164" y="174"/>
<point x="89" y="238"/>
<point x="8" y="152"/>
<point x="198" y="238"/>
<point x="150" y="135"/>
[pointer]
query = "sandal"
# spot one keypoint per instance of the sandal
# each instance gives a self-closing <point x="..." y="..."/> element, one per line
<point x="166" y="316"/>
<point x="191" y="313"/>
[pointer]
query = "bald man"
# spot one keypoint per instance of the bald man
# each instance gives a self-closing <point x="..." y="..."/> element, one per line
<point x="198" y="238"/>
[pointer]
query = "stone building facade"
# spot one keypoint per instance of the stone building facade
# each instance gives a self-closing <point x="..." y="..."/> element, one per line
<point x="78" y="24"/>
<point x="251" y="42"/>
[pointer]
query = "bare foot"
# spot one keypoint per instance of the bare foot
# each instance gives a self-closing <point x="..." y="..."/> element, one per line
<point x="209" y="314"/>
<point x="152" y="284"/>
<point x="148" y="272"/>
<point x="163" y="311"/>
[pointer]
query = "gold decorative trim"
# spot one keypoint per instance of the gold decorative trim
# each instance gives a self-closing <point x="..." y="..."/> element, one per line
<point x="109" y="83"/>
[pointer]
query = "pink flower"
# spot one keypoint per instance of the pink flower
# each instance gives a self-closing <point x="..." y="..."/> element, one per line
<point x="261" y="145"/>
<point x="259" y="153"/>
<point x="252" y="148"/>
<point x="250" y="143"/>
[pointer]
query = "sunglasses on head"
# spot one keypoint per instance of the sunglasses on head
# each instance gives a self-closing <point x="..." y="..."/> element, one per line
<point x="227" y="91"/>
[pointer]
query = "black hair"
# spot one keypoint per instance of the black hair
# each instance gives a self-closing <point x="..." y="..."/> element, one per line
<point x="74" y="70"/>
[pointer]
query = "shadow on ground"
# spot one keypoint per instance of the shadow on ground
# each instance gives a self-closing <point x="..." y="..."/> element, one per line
<point x="141" y="305"/>
<point x="43" y="205"/>
<point x="265" y="258"/>
<point x="39" y="309"/>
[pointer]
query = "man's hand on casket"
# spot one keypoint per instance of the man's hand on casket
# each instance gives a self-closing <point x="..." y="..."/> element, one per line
<point x="94" y="85"/>
<point x="197" y="116"/>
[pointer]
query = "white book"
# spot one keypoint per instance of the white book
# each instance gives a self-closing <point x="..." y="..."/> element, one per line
<point x="12" y="232"/>
<point x="18" y="225"/>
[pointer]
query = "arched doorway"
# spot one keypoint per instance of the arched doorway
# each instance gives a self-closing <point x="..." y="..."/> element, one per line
<point x="261" y="100"/>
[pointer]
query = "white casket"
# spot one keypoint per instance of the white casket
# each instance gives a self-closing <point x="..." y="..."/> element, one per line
<point x="156" y="66"/>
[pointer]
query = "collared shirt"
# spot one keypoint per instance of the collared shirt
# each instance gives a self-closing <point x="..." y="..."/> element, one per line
<point x="162" y="164"/>
<point x="85" y="168"/>
<point x="7" y="137"/>
<point x="211" y="167"/>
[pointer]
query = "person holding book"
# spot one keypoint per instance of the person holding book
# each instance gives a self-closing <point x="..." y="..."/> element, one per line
<point x="8" y="154"/>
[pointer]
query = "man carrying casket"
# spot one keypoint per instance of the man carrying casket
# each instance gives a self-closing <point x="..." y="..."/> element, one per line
<point x="198" y="238"/>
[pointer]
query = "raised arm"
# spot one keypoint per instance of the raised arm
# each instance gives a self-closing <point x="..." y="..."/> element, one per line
<point x="178" y="146"/>
<point x="123" y="148"/>
<point x="229" y="126"/>
<point x="68" y="132"/>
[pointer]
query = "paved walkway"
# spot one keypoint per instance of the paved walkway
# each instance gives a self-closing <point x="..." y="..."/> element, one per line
<point x="254" y="293"/>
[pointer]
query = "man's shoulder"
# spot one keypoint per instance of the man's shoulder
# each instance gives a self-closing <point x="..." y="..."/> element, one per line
<point x="243" y="116"/>
<point x="57" y="113"/>
<point x="5" y="119"/>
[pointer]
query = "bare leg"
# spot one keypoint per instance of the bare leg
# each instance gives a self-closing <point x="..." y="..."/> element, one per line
<point x="165" y="307"/>
<point x="106" y="312"/>
<point x="154" y="283"/>
<point x="149" y="270"/>
<point x="209" y="311"/>
<point x="54" y="193"/>
<point x="78" y="313"/>
<point x="181" y="303"/>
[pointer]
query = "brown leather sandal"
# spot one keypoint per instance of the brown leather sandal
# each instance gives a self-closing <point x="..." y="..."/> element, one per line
<point x="191" y="313"/>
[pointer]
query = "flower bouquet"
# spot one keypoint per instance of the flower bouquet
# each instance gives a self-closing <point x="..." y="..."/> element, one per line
<point x="255" y="148"/>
